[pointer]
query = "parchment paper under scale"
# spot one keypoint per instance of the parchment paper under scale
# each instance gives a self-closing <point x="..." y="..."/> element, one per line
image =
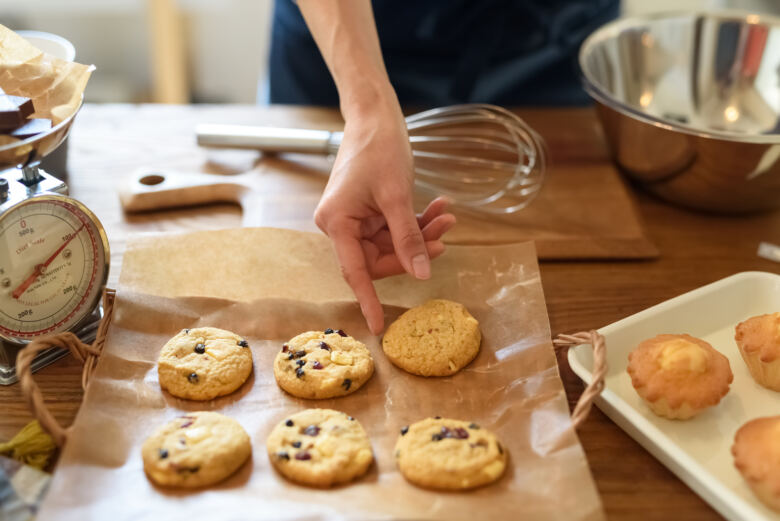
<point x="275" y="284"/>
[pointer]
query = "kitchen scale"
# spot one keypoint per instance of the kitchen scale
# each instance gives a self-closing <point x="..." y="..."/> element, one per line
<point x="54" y="255"/>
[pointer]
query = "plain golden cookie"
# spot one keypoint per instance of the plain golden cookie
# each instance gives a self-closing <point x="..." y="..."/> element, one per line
<point x="203" y="363"/>
<point x="438" y="338"/>
<point x="195" y="450"/>
<point x="756" y="452"/>
<point x="323" y="364"/>
<point x="678" y="376"/>
<point x="320" y="447"/>
<point x="758" y="339"/>
<point x="449" y="454"/>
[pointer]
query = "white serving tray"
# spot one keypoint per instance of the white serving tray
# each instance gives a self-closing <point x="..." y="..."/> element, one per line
<point x="698" y="450"/>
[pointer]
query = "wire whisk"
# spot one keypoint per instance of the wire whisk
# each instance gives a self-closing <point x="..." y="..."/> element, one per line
<point x="483" y="157"/>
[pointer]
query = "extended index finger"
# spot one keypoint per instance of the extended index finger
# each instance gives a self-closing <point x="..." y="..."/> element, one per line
<point x="355" y="271"/>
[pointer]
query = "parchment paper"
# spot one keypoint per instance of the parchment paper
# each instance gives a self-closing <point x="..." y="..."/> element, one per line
<point x="281" y="283"/>
<point x="54" y="85"/>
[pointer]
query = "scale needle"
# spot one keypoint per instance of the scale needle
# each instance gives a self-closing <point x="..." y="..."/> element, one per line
<point x="40" y="267"/>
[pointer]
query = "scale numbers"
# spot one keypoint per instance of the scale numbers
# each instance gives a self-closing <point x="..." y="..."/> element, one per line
<point x="53" y="266"/>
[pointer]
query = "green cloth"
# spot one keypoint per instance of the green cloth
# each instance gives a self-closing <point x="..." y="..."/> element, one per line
<point x="31" y="446"/>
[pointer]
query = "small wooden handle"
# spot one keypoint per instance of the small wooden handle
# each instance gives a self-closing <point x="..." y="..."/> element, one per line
<point x="149" y="189"/>
<point x="599" y="372"/>
<point x="85" y="353"/>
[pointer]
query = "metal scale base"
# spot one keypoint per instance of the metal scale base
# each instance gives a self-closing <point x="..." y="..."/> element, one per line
<point x="9" y="350"/>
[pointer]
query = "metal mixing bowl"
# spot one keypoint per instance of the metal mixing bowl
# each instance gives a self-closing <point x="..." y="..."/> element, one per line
<point x="690" y="105"/>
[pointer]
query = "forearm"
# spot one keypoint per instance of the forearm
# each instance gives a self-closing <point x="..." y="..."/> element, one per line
<point x="366" y="208"/>
<point x="345" y="33"/>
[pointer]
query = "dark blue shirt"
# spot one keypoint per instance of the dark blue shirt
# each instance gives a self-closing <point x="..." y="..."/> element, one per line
<point x="443" y="52"/>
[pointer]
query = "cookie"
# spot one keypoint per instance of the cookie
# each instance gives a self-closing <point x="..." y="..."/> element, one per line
<point x="323" y="364"/>
<point x="438" y="338"/>
<point x="449" y="454"/>
<point x="758" y="339"/>
<point x="756" y="452"/>
<point x="319" y="447"/>
<point x="195" y="450"/>
<point x="203" y="363"/>
<point x="678" y="376"/>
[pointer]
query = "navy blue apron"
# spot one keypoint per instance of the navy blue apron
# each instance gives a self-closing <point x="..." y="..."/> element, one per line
<point x="443" y="52"/>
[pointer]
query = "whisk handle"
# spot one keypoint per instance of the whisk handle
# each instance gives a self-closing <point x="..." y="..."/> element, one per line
<point x="268" y="139"/>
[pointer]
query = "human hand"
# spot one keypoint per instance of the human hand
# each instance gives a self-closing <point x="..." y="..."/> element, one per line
<point x="367" y="212"/>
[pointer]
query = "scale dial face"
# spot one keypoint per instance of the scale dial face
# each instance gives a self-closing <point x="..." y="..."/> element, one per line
<point x="53" y="266"/>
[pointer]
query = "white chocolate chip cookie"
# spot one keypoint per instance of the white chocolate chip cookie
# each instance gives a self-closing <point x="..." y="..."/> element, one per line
<point x="320" y="447"/>
<point x="325" y="364"/>
<point x="438" y="338"/>
<point x="195" y="450"/>
<point x="449" y="454"/>
<point x="203" y="363"/>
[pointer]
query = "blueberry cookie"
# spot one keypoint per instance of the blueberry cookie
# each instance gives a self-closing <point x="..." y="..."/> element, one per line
<point x="320" y="447"/>
<point x="438" y="338"/>
<point x="203" y="363"/>
<point x="449" y="454"/>
<point x="195" y="450"/>
<point x="323" y="364"/>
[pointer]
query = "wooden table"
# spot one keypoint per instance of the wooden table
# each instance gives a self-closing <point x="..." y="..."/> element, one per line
<point x="695" y="249"/>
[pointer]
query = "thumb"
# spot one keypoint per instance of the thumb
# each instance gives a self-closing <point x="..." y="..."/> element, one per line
<point x="408" y="241"/>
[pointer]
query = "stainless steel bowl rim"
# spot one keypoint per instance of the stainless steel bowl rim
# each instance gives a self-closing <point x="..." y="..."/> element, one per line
<point x="615" y="27"/>
<point x="32" y="139"/>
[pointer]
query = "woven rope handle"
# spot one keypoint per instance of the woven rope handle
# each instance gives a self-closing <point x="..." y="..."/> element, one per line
<point x="85" y="353"/>
<point x="597" y="342"/>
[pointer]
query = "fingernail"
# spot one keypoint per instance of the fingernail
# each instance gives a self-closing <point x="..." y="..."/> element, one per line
<point x="421" y="266"/>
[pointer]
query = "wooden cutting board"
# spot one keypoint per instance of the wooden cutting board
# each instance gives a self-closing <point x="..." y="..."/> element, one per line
<point x="584" y="211"/>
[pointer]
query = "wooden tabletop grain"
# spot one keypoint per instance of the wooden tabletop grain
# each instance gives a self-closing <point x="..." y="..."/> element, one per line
<point x="695" y="249"/>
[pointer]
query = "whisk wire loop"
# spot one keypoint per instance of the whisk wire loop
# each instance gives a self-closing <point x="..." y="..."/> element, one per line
<point x="483" y="156"/>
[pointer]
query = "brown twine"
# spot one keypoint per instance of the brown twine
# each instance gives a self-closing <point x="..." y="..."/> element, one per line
<point x="85" y="353"/>
<point x="597" y="342"/>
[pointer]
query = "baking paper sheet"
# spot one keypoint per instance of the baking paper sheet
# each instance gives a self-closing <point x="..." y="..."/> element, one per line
<point x="269" y="285"/>
<point x="54" y="85"/>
